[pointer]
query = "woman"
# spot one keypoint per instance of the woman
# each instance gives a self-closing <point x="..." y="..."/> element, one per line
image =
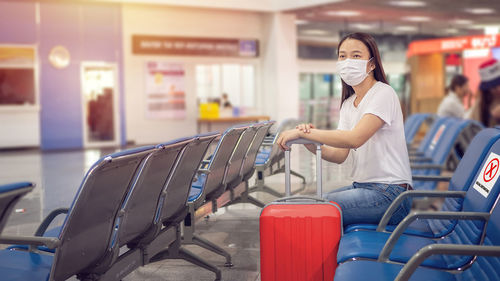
<point x="487" y="108"/>
<point x="451" y="105"/>
<point x="370" y="131"/>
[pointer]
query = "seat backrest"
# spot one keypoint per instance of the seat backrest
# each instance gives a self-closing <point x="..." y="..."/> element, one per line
<point x="446" y="143"/>
<point x="10" y="194"/>
<point x="438" y="150"/>
<point x="466" y="137"/>
<point x="139" y="208"/>
<point x="480" y="197"/>
<point x="464" y="175"/>
<point x="175" y="193"/>
<point x="430" y="136"/>
<point x="238" y="156"/>
<point x="443" y="136"/>
<point x="220" y="160"/>
<point x="412" y="125"/>
<point x="286" y="124"/>
<point x="487" y="268"/>
<point x="86" y="233"/>
<point x="247" y="168"/>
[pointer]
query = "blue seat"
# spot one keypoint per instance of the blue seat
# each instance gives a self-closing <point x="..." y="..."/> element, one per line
<point x="459" y="182"/>
<point x="10" y="194"/>
<point x="369" y="244"/>
<point x="429" y="137"/>
<point x="440" y="151"/>
<point x="485" y="267"/>
<point x="85" y="237"/>
<point x="413" y="123"/>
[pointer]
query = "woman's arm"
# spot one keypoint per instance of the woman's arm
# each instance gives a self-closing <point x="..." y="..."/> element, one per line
<point x="365" y="129"/>
<point x="330" y="154"/>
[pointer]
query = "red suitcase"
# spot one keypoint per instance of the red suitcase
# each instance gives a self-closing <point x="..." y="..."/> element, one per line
<point x="299" y="236"/>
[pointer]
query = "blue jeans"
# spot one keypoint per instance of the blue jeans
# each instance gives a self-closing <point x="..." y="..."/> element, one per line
<point x="367" y="202"/>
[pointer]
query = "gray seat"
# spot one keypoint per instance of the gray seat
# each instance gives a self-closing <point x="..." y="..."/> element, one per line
<point x="85" y="240"/>
<point x="137" y="222"/>
<point x="270" y="160"/>
<point x="248" y="167"/>
<point x="209" y="190"/>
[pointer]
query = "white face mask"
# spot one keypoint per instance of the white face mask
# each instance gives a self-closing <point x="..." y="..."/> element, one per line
<point x="352" y="71"/>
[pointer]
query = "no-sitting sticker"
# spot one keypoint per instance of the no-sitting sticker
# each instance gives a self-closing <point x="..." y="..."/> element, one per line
<point x="489" y="175"/>
<point x="437" y="136"/>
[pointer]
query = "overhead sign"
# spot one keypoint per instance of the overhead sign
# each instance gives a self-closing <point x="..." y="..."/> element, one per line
<point x="453" y="44"/>
<point x="488" y="175"/>
<point x="194" y="46"/>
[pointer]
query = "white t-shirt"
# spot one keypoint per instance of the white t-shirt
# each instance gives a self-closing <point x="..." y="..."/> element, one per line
<point x="451" y="106"/>
<point x="383" y="158"/>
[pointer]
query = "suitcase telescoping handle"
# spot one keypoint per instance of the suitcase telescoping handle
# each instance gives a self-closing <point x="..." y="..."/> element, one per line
<point x="319" y="186"/>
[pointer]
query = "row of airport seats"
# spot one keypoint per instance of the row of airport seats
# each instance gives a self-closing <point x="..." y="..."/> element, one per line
<point x="449" y="138"/>
<point x="130" y="207"/>
<point x="459" y="242"/>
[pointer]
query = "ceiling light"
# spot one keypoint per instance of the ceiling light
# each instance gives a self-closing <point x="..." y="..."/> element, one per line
<point x="406" y="28"/>
<point x="314" y="32"/>
<point x="480" y="11"/>
<point x="462" y="21"/>
<point x="301" y="22"/>
<point x="417" y="18"/>
<point x="410" y="4"/>
<point x="362" y="26"/>
<point x="343" y="13"/>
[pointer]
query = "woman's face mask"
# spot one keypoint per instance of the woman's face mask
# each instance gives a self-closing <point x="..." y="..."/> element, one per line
<point x="352" y="71"/>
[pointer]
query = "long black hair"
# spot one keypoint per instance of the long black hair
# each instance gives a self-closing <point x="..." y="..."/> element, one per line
<point x="484" y="106"/>
<point x="378" y="72"/>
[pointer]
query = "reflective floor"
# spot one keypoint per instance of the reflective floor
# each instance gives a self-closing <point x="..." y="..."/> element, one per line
<point x="58" y="175"/>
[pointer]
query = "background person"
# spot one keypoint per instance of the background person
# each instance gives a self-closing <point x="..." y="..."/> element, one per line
<point x="487" y="107"/>
<point x="370" y="131"/>
<point x="451" y="105"/>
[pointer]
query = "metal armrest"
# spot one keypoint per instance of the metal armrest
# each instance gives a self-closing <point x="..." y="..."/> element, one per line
<point x="49" y="242"/>
<point x="419" y="159"/>
<point x="444" y="249"/>
<point x="431" y="178"/>
<point x="426" y="166"/>
<point x="414" y="193"/>
<point x="203" y="171"/>
<point x="391" y="242"/>
<point x="48" y="220"/>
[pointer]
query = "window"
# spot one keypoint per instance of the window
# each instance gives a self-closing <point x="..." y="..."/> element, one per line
<point x="236" y="80"/>
<point x="17" y="76"/>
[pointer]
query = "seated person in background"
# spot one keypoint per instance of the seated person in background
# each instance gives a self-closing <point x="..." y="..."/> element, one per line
<point x="370" y="131"/>
<point x="451" y="105"/>
<point x="487" y="107"/>
<point x="224" y="103"/>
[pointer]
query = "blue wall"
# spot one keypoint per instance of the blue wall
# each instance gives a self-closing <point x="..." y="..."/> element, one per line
<point x="91" y="32"/>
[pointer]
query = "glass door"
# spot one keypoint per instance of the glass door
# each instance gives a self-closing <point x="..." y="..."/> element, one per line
<point x="100" y="105"/>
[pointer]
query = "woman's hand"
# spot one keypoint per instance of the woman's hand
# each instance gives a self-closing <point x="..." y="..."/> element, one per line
<point x="306" y="128"/>
<point x="287" y="136"/>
